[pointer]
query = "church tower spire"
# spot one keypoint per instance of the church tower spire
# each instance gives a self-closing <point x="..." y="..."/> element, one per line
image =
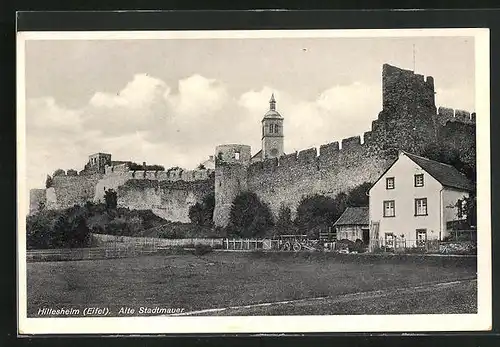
<point x="272" y="132"/>
<point x="272" y="103"/>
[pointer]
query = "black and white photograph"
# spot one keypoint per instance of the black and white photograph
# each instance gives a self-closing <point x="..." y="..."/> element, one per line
<point x="254" y="181"/>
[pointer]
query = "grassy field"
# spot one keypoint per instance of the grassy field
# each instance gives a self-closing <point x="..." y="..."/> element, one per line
<point x="233" y="279"/>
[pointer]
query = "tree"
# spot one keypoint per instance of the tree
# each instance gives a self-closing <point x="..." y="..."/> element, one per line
<point x="49" y="182"/>
<point x="202" y="212"/>
<point x="317" y="212"/>
<point x="358" y="196"/>
<point x="284" y="224"/>
<point x="38" y="231"/>
<point x="451" y="156"/>
<point x="111" y="199"/>
<point x="468" y="207"/>
<point x="78" y="234"/>
<point x="60" y="232"/>
<point x="196" y="214"/>
<point x="249" y="216"/>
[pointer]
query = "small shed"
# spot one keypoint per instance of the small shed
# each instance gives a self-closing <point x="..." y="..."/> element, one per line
<point x="353" y="224"/>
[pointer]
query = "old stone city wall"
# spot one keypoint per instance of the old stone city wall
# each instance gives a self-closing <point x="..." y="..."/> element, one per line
<point x="285" y="181"/>
<point x="168" y="199"/>
<point x="69" y="190"/>
<point x="408" y="121"/>
<point x="169" y="193"/>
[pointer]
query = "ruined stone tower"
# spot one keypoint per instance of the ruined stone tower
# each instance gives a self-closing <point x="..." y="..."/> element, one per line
<point x="231" y="163"/>
<point x="272" y="132"/>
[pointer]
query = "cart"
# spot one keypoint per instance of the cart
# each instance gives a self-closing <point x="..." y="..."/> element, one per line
<point x="296" y="243"/>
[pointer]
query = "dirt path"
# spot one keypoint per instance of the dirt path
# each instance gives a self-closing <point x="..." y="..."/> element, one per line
<point x="440" y="297"/>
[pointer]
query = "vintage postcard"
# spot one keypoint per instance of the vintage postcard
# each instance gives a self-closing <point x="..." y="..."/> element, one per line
<point x="254" y="181"/>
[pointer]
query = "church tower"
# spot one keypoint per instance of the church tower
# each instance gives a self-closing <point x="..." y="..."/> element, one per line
<point x="272" y="132"/>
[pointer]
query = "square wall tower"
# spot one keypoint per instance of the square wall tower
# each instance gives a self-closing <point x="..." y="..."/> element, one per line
<point x="98" y="161"/>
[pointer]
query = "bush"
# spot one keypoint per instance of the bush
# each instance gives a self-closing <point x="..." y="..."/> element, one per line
<point x="249" y="216"/>
<point x="317" y="213"/>
<point x="202" y="213"/>
<point x="202" y="249"/>
<point x="111" y="199"/>
<point x="284" y="224"/>
<point x="58" y="229"/>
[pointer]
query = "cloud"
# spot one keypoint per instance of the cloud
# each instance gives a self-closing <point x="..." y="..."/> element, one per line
<point x="338" y="112"/>
<point x="197" y="96"/>
<point x="43" y="113"/>
<point x="142" y="91"/>
<point x="148" y="120"/>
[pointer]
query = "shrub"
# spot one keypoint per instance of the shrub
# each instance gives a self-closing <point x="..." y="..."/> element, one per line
<point x="318" y="212"/>
<point x="58" y="229"/>
<point x="284" y="224"/>
<point x="111" y="198"/>
<point x="202" y="213"/>
<point x="249" y="216"/>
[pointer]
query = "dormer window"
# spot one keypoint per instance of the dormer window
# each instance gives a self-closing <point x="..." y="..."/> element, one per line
<point x="419" y="180"/>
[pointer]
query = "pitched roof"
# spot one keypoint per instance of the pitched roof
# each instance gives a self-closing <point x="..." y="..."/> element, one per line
<point x="354" y="216"/>
<point x="258" y="154"/>
<point x="445" y="174"/>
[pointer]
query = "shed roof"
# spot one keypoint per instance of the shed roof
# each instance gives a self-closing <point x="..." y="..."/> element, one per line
<point x="354" y="216"/>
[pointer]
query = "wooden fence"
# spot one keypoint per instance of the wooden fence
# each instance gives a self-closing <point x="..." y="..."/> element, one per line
<point x="104" y="239"/>
<point x="423" y="246"/>
<point x="250" y="244"/>
<point x="62" y="254"/>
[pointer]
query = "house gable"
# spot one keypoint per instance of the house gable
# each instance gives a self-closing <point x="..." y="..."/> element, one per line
<point x="406" y="169"/>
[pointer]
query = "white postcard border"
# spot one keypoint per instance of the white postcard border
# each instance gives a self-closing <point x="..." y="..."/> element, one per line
<point x="272" y="324"/>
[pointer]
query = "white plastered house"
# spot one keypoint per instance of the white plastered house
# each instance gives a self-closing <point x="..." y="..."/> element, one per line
<point x="414" y="199"/>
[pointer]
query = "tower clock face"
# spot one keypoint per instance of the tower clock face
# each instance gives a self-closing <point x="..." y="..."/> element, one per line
<point x="274" y="151"/>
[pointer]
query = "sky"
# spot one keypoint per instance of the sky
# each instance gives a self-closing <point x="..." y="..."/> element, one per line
<point x="171" y="102"/>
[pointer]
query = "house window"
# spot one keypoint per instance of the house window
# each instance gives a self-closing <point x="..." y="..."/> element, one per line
<point x="389" y="208"/>
<point x="389" y="240"/>
<point x="389" y="183"/>
<point x="237" y="155"/>
<point x="421" y="207"/>
<point x="421" y="237"/>
<point x="419" y="180"/>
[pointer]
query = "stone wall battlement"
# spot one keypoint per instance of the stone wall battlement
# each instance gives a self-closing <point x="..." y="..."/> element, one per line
<point x="446" y="115"/>
<point x="314" y="160"/>
<point x="169" y="175"/>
